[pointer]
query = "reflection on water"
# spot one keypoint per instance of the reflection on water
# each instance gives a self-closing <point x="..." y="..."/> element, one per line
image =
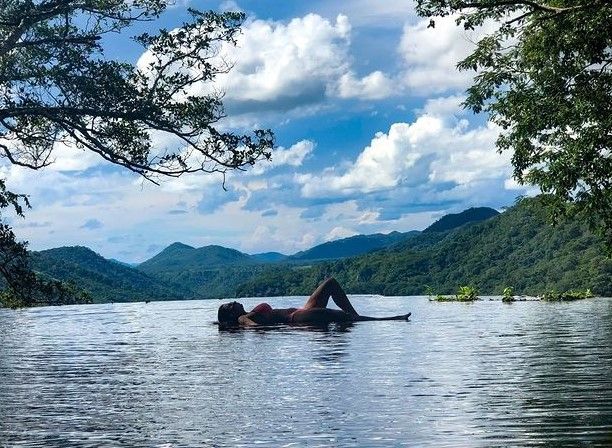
<point x="487" y="374"/>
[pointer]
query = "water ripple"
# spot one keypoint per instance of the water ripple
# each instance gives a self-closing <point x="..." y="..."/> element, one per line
<point x="480" y="375"/>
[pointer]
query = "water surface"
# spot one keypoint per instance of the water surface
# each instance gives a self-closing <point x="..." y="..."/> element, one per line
<point x="161" y="374"/>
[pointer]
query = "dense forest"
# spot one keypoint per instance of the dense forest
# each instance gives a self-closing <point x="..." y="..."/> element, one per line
<point x="479" y="247"/>
<point x="517" y="249"/>
<point x="454" y="220"/>
<point x="104" y="280"/>
<point x="352" y="246"/>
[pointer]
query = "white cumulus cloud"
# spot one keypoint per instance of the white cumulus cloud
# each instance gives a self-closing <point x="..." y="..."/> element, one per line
<point x="339" y="232"/>
<point x="292" y="156"/>
<point x="435" y="149"/>
<point x="280" y="66"/>
<point x="383" y="163"/>
<point x="444" y="106"/>
<point x="376" y="85"/>
<point x="284" y="65"/>
<point x="431" y="55"/>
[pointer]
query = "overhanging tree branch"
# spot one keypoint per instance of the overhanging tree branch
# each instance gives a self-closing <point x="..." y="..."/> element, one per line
<point x="550" y="92"/>
<point x="57" y="86"/>
<point x="112" y="107"/>
<point x="531" y="4"/>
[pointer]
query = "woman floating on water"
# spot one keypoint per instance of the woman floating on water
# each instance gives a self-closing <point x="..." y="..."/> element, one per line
<point x="314" y="311"/>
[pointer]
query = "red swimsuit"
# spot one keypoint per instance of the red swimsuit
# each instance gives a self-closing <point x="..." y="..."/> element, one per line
<point x="262" y="308"/>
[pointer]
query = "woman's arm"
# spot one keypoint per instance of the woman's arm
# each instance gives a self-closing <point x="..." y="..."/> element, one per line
<point x="246" y="321"/>
<point x="252" y="319"/>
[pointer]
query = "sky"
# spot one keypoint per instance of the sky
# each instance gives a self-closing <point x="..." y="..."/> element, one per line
<point x="365" y="103"/>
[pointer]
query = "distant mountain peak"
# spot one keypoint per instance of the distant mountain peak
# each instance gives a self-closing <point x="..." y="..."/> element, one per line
<point x="123" y="263"/>
<point x="353" y="245"/>
<point x="455" y="220"/>
<point x="269" y="256"/>
<point x="179" y="245"/>
<point x="72" y="251"/>
<point x="179" y="257"/>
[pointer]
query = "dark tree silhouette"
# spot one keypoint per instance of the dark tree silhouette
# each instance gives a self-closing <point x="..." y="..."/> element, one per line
<point x="545" y="76"/>
<point x="57" y="88"/>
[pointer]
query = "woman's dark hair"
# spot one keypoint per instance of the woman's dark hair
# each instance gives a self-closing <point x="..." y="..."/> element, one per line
<point x="228" y="314"/>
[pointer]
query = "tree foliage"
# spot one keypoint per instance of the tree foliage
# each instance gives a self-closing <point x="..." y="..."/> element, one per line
<point x="57" y="89"/>
<point x="23" y="286"/>
<point x="545" y="76"/>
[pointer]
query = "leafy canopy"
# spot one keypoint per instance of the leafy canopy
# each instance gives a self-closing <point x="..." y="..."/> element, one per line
<point x="545" y="76"/>
<point x="58" y="89"/>
<point x="23" y="286"/>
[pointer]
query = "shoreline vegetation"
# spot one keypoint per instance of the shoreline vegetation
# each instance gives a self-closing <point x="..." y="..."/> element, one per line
<point x="567" y="296"/>
<point x="469" y="294"/>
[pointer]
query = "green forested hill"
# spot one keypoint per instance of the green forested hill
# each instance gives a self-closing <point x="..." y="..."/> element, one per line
<point x="202" y="273"/>
<point x="351" y="246"/>
<point x="215" y="271"/>
<point x="179" y="257"/>
<point x="104" y="279"/>
<point x="516" y="248"/>
<point x="455" y="220"/>
<point x="269" y="257"/>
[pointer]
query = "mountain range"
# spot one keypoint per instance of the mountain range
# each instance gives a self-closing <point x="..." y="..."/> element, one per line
<point x="517" y="249"/>
<point x="478" y="246"/>
<point x="105" y="280"/>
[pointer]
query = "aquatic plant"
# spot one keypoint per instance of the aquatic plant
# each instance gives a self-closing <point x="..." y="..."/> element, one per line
<point x="554" y="296"/>
<point x="508" y="295"/>
<point x="442" y="298"/>
<point x="434" y="297"/>
<point x="466" y="294"/>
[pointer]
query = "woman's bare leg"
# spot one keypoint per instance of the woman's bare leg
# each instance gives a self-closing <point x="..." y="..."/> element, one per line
<point x="325" y="316"/>
<point x="330" y="288"/>
<point x="400" y="317"/>
<point x="317" y="316"/>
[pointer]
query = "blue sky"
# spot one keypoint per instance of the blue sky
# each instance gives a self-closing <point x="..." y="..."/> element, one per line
<point x="365" y="103"/>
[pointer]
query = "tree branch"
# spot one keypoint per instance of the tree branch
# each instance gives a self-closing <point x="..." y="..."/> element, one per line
<point x="532" y="4"/>
<point x="77" y="40"/>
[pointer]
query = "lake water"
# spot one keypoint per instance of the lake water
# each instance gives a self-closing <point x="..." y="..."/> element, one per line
<point x="161" y="374"/>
